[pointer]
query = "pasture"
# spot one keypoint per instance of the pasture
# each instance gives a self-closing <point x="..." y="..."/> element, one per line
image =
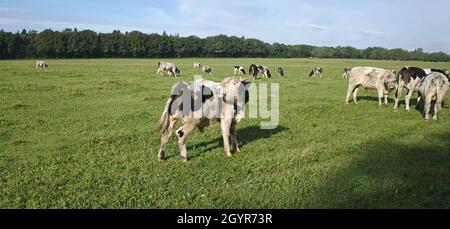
<point x="81" y="135"/>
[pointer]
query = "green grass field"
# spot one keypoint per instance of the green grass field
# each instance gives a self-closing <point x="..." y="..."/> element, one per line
<point x="81" y="135"/>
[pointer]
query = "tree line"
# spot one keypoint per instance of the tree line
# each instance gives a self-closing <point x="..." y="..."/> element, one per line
<point x="71" y="43"/>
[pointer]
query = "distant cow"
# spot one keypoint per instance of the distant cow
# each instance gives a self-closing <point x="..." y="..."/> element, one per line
<point x="316" y="71"/>
<point x="207" y="69"/>
<point x="265" y="71"/>
<point x="408" y="78"/>
<point x="253" y="71"/>
<point x="197" y="65"/>
<point x="41" y="64"/>
<point x="370" y="78"/>
<point x="170" y="68"/>
<point x="280" y="71"/>
<point x="345" y="74"/>
<point x="239" y="70"/>
<point x="200" y="104"/>
<point x="432" y="90"/>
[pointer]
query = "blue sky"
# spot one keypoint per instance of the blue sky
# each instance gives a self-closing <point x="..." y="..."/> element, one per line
<point x="406" y="24"/>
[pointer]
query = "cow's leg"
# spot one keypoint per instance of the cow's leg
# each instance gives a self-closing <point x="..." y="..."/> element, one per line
<point x="182" y="133"/>
<point x="233" y="134"/>
<point x="165" y="139"/>
<point x="427" y="108"/>
<point x="408" y="98"/>
<point x="225" y="127"/>
<point x="386" y="95"/>
<point x="355" y="95"/>
<point x="398" y="93"/>
<point x="350" y="90"/>
<point x="435" y="110"/>
<point x="380" y="96"/>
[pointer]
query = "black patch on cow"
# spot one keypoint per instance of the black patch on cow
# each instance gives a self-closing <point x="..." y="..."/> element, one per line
<point x="408" y="73"/>
<point x="243" y="71"/>
<point x="269" y="74"/>
<point x="281" y="71"/>
<point x="180" y="133"/>
<point x="207" y="93"/>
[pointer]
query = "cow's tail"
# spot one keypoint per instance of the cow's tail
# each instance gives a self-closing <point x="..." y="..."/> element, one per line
<point x="164" y="121"/>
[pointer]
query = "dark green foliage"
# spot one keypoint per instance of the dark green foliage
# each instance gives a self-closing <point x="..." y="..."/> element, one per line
<point x="89" y="44"/>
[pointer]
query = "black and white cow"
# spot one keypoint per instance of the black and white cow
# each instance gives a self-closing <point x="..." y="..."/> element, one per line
<point x="207" y="69"/>
<point x="265" y="71"/>
<point x="200" y="104"/>
<point x="316" y="71"/>
<point x="239" y="70"/>
<point x="408" y="78"/>
<point x="41" y="64"/>
<point x="280" y="71"/>
<point x="253" y="71"/>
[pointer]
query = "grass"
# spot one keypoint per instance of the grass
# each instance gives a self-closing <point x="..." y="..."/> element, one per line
<point x="80" y="135"/>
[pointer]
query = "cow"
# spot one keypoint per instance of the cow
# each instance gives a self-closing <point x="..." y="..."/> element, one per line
<point x="316" y="71"/>
<point x="197" y="65"/>
<point x="345" y="74"/>
<point x="41" y="64"/>
<point x="239" y="70"/>
<point x="370" y="78"/>
<point x="200" y="104"/>
<point x="207" y="69"/>
<point x="280" y="71"/>
<point x="265" y="71"/>
<point x="253" y="71"/>
<point x="408" y="78"/>
<point x="432" y="90"/>
<point x="170" y="68"/>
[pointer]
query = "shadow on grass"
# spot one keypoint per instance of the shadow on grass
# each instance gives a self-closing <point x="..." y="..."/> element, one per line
<point x="374" y="98"/>
<point x="244" y="136"/>
<point x="387" y="174"/>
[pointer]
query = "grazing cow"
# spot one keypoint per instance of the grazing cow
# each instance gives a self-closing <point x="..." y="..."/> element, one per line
<point x="408" y="78"/>
<point x="432" y="90"/>
<point x="239" y="70"/>
<point x="370" y="78"/>
<point x="345" y="74"/>
<point x="170" y="68"/>
<point x="197" y="65"/>
<point x="253" y="71"/>
<point x="41" y="64"/>
<point x="265" y="71"/>
<point x="316" y="71"/>
<point x="280" y="71"/>
<point x="200" y="104"/>
<point x="207" y="69"/>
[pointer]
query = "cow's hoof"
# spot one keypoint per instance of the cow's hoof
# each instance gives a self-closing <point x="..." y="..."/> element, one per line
<point x="395" y="110"/>
<point x="183" y="159"/>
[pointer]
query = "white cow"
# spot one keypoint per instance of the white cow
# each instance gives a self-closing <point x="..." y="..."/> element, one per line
<point x="370" y="78"/>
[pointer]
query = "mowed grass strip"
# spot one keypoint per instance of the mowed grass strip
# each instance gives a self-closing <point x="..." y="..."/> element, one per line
<point x="81" y="135"/>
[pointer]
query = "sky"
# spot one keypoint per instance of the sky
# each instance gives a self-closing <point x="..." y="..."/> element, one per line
<point x="407" y="24"/>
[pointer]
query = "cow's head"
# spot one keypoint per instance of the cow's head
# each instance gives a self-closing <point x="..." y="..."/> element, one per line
<point x="234" y="92"/>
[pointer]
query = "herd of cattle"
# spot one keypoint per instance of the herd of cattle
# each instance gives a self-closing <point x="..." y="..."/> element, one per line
<point x="223" y="97"/>
<point x="431" y="85"/>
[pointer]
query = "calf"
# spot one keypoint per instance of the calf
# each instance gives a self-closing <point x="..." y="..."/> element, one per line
<point x="239" y="70"/>
<point x="280" y="71"/>
<point x="408" y="78"/>
<point x="41" y="64"/>
<point x="197" y="65"/>
<point x="253" y="71"/>
<point x="200" y="104"/>
<point x="432" y="90"/>
<point x="370" y="78"/>
<point x="170" y="68"/>
<point x="265" y="71"/>
<point x="207" y="69"/>
<point x="316" y="71"/>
